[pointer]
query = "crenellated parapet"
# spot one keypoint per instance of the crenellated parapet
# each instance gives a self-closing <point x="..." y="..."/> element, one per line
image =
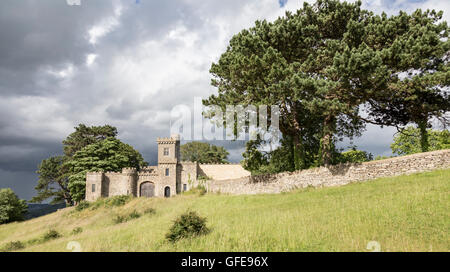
<point x="129" y="171"/>
<point x="95" y="173"/>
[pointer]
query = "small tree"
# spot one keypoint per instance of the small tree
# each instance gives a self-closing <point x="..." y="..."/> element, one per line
<point x="203" y="153"/>
<point x="409" y="141"/>
<point x="52" y="183"/>
<point x="11" y="207"/>
<point x="53" y="180"/>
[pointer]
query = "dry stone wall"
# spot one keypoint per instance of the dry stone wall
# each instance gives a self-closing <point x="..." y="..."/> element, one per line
<point x="223" y="171"/>
<point x="334" y="175"/>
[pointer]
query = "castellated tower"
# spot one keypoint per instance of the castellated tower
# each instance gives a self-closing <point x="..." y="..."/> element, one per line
<point x="169" y="167"/>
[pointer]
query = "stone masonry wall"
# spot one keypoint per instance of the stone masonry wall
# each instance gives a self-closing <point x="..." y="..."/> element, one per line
<point x="223" y="171"/>
<point x="335" y="175"/>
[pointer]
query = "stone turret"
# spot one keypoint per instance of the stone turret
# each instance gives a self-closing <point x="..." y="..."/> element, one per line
<point x="169" y="149"/>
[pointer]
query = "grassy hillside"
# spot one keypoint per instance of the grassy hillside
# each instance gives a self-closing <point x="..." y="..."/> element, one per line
<point x="408" y="213"/>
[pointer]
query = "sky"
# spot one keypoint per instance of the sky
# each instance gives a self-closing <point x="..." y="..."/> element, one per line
<point x="125" y="63"/>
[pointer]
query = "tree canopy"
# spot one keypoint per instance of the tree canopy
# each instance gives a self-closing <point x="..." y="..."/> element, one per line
<point x="324" y="63"/>
<point x="62" y="178"/>
<point x="11" y="207"/>
<point x="109" y="155"/>
<point x="409" y="141"/>
<point x="203" y="153"/>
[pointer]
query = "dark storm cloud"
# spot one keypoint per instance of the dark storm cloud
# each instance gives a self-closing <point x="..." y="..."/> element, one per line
<point x="35" y="34"/>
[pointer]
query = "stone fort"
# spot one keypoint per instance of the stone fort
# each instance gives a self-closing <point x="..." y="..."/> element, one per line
<point x="170" y="177"/>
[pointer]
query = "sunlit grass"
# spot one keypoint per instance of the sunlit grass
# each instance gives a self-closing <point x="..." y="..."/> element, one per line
<point x="407" y="213"/>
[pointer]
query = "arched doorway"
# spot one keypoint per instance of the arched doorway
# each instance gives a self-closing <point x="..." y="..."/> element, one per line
<point x="167" y="191"/>
<point x="147" y="189"/>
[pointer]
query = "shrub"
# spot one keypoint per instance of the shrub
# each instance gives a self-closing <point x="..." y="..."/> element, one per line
<point x="379" y="157"/>
<point x="77" y="230"/>
<point x="189" y="224"/>
<point x="51" y="235"/>
<point x="199" y="190"/>
<point x="82" y="205"/>
<point x="114" y="201"/>
<point x="354" y="156"/>
<point x="150" y="211"/>
<point x="119" y="219"/>
<point x="124" y="218"/>
<point x="118" y="200"/>
<point x="133" y="215"/>
<point x="11" y="207"/>
<point x="12" y="246"/>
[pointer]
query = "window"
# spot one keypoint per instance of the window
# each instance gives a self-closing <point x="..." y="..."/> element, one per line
<point x="93" y="188"/>
<point x="166" y="151"/>
<point x="167" y="172"/>
<point x="185" y="187"/>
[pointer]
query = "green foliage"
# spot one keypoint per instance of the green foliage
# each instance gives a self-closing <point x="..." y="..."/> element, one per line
<point x="50" y="235"/>
<point x="124" y="218"/>
<point x="82" y="206"/>
<point x="114" y="201"/>
<point x="379" y="157"/>
<point x="189" y="224"/>
<point x="408" y="141"/>
<point x="117" y="201"/>
<point x="354" y="156"/>
<point x="321" y="64"/>
<point x="52" y="183"/>
<point x="12" y="246"/>
<point x="77" y="230"/>
<point x="253" y="158"/>
<point x="203" y="153"/>
<point x="109" y="155"/>
<point x="11" y="207"/>
<point x="199" y="190"/>
<point x="84" y="136"/>
<point x="149" y="211"/>
<point x="53" y="172"/>
<point x="95" y="148"/>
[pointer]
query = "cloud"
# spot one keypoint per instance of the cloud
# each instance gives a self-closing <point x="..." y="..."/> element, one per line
<point x="119" y="63"/>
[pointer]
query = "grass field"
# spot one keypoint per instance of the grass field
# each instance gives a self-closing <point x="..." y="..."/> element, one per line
<point x="407" y="213"/>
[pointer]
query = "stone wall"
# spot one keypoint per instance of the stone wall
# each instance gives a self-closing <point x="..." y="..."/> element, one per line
<point x="334" y="175"/>
<point x="223" y="171"/>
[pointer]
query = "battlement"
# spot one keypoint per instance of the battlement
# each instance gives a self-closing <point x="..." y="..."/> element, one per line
<point x="170" y="140"/>
<point x="188" y="162"/>
<point x="129" y="170"/>
<point x="94" y="173"/>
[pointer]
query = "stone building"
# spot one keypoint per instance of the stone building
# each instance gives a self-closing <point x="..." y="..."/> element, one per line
<point x="169" y="177"/>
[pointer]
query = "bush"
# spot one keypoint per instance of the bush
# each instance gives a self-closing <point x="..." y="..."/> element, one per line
<point x="51" y="235"/>
<point x="379" y="157"/>
<point x="189" y="224"/>
<point x="354" y="156"/>
<point x="12" y="246"/>
<point x="11" y="207"/>
<point x="199" y="190"/>
<point x="124" y="218"/>
<point x="77" y="230"/>
<point x="150" y="211"/>
<point x="118" y="200"/>
<point x="82" y="205"/>
<point x="114" y="201"/>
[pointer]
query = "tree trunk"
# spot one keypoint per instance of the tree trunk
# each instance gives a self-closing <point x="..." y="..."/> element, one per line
<point x="299" y="152"/>
<point x="326" y="143"/>
<point x="423" y="136"/>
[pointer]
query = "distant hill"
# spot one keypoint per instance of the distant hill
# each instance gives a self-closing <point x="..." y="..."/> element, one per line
<point x="37" y="210"/>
